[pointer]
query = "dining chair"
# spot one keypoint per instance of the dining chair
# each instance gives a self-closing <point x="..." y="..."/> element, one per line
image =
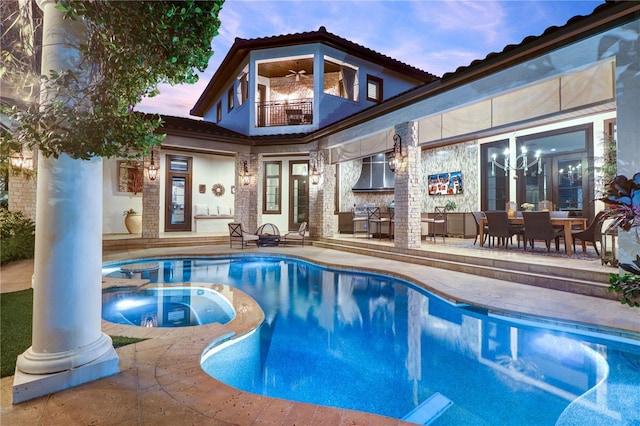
<point x="438" y="224"/>
<point x="537" y="226"/>
<point x="238" y="234"/>
<point x="478" y="217"/>
<point x="592" y="233"/>
<point x="500" y="228"/>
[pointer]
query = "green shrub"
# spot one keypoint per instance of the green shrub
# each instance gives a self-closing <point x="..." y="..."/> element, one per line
<point x="17" y="236"/>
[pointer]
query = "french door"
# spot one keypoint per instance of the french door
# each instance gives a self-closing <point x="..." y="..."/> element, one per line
<point x="298" y="194"/>
<point x="178" y="194"/>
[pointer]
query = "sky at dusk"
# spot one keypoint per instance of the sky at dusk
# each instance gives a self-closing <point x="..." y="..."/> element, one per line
<point x="433" y="35"/>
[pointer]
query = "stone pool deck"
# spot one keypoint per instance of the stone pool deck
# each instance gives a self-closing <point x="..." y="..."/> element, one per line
<point x="161" y="382"/>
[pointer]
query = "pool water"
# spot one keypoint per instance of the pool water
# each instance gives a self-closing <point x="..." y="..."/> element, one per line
<point x="378" y="344"/>
<point x="165" y="307"/>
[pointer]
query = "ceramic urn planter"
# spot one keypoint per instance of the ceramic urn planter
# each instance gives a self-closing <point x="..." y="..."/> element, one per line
<point x="133" y="222"/>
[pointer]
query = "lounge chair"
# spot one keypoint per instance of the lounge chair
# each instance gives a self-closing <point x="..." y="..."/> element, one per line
<point x="295" y="235"/>
<point x="238" y="235"/>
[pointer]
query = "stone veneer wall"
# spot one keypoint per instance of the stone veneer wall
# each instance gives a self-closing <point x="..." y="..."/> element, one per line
<point x="321" y="203"/>
<point x="22" y="195"/>
<point x="459" y="157"/>
<point x="151" y="203"/>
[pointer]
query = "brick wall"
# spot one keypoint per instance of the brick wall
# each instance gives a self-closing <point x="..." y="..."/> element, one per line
<point x="22" y="194"/>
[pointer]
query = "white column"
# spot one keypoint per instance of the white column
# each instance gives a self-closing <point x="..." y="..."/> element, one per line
<point x="68" y="347"/>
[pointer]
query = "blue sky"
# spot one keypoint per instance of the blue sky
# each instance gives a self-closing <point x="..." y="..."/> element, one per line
<point x="437" y="36"/>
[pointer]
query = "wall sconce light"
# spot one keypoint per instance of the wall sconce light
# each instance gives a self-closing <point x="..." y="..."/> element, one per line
<point x="524" y="163"/>
<point x="153" y="168"/>
<point x="245" y="177"/>
<point x="315" y="176"/>
<point x="394" y="158"/>
<point x="21" y="160"/>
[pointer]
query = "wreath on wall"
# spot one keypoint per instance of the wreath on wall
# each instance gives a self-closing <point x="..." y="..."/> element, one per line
<point x="218" y="190"/>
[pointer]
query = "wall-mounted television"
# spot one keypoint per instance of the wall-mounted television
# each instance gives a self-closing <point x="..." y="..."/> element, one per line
<point x="446" y="184"/>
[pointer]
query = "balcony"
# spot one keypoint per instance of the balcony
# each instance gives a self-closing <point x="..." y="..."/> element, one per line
<point x="285" y="113"/>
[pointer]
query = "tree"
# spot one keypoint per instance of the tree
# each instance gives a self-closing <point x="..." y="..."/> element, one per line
<point x="89" y="111"/>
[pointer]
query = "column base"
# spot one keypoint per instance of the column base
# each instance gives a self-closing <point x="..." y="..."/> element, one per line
<point x="30" y="386"/>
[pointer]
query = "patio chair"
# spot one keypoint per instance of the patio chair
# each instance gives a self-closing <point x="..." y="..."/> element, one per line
<point x="296" y="235"/>
<point x="238" y="235"/>
<point x="592" y="233"/>
<point x="375" y="218"/>
<point x="437" y="225"/>
<point x="537" y="226"/>
<point x="478" y="216"/>
<point x="500" y="228"/>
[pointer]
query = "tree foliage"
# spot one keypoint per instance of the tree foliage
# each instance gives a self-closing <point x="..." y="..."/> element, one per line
<point x="130" y="48"/>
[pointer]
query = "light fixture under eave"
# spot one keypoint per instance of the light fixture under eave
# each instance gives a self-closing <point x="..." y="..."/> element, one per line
<point x="153" y="168"/>
<point x="521" y="163"/>
<point x="245" y="177"/>
<point x="394" y="158"/>
<point x="315" y="176"/>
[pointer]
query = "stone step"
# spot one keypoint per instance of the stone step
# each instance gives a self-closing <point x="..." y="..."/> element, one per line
<point x="585" y="282"/>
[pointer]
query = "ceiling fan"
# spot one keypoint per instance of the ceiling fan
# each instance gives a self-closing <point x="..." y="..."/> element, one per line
<point x="297" y="74"/>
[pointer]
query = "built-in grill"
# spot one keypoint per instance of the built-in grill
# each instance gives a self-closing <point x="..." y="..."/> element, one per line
<point x="360" y="213"/>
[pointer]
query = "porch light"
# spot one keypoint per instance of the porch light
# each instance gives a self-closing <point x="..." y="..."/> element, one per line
<point x="153" y="168"/>
<point x="521" y="163"/>
<point x="245" y="177"/>
<point x="394" y="158"/>
<point x="315" y="176"/>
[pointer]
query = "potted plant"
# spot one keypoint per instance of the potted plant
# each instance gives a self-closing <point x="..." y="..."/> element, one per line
<point x="132" y="221"/>
<point x="622" y="198"/>
<point x="450" y="206"/>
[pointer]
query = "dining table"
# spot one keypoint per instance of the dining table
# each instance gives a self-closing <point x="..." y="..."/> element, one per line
<point x="567" y="223"/>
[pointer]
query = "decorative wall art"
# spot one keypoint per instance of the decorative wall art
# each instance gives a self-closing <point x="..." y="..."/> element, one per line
<point x="202" y="188"/>
<point x="446" y="184"/>
<point x="130" y="176"/>
<point x="218" y="190"/>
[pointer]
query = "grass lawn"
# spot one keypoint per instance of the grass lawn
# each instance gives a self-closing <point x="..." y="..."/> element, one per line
<point x="16" y="311"/>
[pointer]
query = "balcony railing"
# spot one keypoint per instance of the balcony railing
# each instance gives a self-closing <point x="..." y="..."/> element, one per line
<point x="289" y="113"/>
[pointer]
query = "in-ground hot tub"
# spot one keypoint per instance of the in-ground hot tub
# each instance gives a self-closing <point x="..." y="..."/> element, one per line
<point x="165" y="306"/>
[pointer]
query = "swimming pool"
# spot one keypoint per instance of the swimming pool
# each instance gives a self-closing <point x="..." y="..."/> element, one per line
<point x="377" y="344"/>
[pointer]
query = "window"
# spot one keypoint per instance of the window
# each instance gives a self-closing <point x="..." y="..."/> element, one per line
<point x="374" y="89"/>
<point x="219" y="112"/>
<point x="272" y="187"/>
<point x="341" y="79"/>
<point x="230" y="99"/>
<point x="243" y="88"/>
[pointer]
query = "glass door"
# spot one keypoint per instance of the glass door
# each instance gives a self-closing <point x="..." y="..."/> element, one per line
<point x="178" y="194"/>
<point x="298" y="194"/>
<point x="495" y="180"/>
<point x="570" y="187"/>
